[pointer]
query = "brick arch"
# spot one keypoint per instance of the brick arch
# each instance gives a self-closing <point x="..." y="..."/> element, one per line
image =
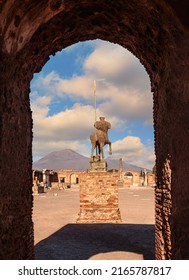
<point x="73" y="175"/>
<point x="155" y="32"/>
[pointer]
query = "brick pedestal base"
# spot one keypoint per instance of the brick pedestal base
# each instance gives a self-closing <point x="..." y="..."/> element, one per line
<point x="99" y="198"/>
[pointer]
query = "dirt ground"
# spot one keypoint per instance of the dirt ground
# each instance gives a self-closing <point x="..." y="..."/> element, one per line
<point x="58" y="237"/>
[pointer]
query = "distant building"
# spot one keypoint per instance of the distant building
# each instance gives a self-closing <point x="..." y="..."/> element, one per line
<point x="67" y="178"/>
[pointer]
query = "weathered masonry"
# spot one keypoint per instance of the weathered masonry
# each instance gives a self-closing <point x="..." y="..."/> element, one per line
<point x="157" y="32"/>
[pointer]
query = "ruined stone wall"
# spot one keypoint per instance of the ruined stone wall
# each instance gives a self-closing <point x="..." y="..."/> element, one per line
<point x="16" y="227"/>
<point x="151" y="179"/>
<point x="171" y="137"/>
<point x="178" y="160"/>
<point x="68" y="175"/>
<point x="136" y="179"/>
<point x="129" y="181"/>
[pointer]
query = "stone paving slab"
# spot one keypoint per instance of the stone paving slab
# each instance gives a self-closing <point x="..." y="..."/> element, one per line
<point x="58" y="237"/>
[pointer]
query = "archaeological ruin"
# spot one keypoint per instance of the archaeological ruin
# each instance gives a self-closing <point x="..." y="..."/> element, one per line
<point x="157" y="33"/>
<point x="67" y="178"/>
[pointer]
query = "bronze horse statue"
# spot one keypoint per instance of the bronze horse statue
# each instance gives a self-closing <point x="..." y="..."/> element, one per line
<point x="99" y="140"/>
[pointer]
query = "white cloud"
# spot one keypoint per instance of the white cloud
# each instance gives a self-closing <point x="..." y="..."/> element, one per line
<point x="128" y="144"/>
<point x="123" y="87"/>
<point x="126" y="104"/>
<point x="72" y="124"/>
<point x="69" y="129"/>
<point x="118" y="66"/>
<point x="132" y="150"/>
<point x="39" y="105"/>
<point x="77" y="87"/>
<point x="106" y="61"/>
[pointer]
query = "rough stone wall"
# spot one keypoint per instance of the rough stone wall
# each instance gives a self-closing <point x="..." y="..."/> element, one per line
<point x="137" y="180"/>
<point x="68" y="175"/>
<point x="16" y="227"/>
<point x="157" y="34"/>
<point x="134" y="180"/>
<point x="171" y="135"/>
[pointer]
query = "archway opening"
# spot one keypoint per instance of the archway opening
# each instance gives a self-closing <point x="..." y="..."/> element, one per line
<point x="62" y="101"/>
<point x="63" y="111"/>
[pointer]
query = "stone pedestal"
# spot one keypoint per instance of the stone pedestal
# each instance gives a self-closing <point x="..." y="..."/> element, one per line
<point x="99" y="166"/>
<point x="99" y="198"/>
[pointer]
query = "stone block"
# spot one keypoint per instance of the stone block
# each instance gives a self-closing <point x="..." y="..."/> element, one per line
<point x="99" y="166"/>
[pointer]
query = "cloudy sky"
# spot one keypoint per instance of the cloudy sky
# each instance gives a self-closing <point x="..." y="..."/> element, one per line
<point x="62" y="102"/>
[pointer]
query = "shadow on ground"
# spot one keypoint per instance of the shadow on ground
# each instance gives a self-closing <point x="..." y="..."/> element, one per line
<point x="82" y="241"/>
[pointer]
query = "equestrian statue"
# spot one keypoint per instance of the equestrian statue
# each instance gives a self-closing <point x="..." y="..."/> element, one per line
<point x="99" y="138"/>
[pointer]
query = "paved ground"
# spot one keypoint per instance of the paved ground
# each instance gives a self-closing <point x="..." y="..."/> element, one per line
<point x="57" y="237"/>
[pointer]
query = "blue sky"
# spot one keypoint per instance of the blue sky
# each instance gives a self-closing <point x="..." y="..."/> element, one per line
<point x="62" y="102"/>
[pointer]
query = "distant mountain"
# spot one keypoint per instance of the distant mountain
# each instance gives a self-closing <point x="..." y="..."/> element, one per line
<point x="65" y="159"/>
<point x="68" y="159"/>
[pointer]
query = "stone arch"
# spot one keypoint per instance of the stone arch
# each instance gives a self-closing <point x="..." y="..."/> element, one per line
<point x="128" y="174"/>
<point x="74" y="178"/>
<point x="157" y="33"/>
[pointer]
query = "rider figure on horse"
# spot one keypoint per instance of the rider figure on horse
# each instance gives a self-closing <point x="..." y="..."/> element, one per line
<point x="99" y="138"/>
<point x="103" y="126"/>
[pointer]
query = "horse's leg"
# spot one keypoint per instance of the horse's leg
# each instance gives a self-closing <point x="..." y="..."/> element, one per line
<point x="92" y="150"/>
<point x="102" y="151"/>
<point x="110" y="148"/>
<point x="99" y="149"/>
